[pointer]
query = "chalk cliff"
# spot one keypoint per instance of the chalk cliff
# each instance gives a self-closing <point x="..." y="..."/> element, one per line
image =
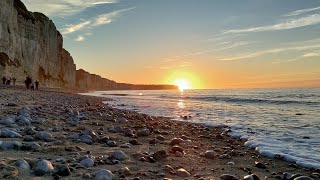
<point x="31" y="45"/>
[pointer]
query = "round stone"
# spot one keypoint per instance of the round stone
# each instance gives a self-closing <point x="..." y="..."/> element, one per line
<point x="23" y="164"/>
<point x="88" y="162"/>
<point x="43" y="135"/>
<point x="119" y="155"/>
<point x="104" y="174"/>
<point x="210" y="154"/>
<point x="176" y="141"/>
<point x="43" y="167"/>
<point x="182" y="173"/>
<point x="63" y="170"/>
<point x="228" y="177"/>
<point x="144" y="132"/>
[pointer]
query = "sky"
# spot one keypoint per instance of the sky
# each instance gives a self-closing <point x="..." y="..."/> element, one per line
<point x="206" y="43"/>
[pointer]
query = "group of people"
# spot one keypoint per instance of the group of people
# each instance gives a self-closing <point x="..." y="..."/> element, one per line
<point x="30" y="84"/>
<point x="8" y="80"/>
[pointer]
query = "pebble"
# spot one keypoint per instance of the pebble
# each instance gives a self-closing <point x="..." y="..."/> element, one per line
<point x="159" y="155"/>
<point x="260" y="165"/>
<point x="251" y="177"/>
<point x="119" y="155"/>
<point x="10" y="145"/>
<point x="228" y="177"/>
<point x="178" y="154"/>
<point x="112" y="144"/>
<point x="176" y="148"/>
<point x="45" y="136"/>
<point x="134" y="142"/>
<point x="176" y="141"/>
<point x="126" y="145"/>
<point x="104" y="174"/>
<point x="144" y="132"/>
<point x="169" y="169"/>
<point x="7" y="133"/>
<point x="88" y="162"/>
<point x="125" y="171"/>
<point x="23" y="164"/>
<point x="7" y="121"/>
<point x="86" y="139"/>
<point x="43" y="167"/>
<point x="23" y="121"/>
<point x="30" y="146"/>
<point x="182" y="173"/>
<point x="63" y="170"/>
<point x="209" y="154"/>
<point x="160" y="138"/>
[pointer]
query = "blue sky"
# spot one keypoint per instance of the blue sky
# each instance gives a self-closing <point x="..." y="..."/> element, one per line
<point x="213" y="43"/>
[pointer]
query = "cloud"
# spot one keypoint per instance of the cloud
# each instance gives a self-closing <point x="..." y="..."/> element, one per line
<point x="61" y="8"/>
<point x="80" y="38"/>
<point x="164" y="65"/>
<point x="108" y="17"/>
<point x="94" y="22"/>
<point x="312" y="54"/>
<point x="76" y="27"/>
<point x="228" y="46"/>
<point x="309" y="20"/>
<point x="302" y="11"/>
<point x="271" y="51"/>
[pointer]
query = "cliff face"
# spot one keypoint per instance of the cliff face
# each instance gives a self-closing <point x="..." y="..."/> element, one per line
<point x="31" y="45"/>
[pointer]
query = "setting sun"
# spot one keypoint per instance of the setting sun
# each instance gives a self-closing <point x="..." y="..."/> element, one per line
<point x="182" y="84"/>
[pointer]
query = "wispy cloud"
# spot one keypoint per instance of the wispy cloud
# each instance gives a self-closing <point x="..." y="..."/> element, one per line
<point x="271" y="51"/>
<point x="80" y="38"/>
<point x="309" y="20"/>
<point x="76" y="27"/>
<point x="94" y="22"/>
<point x="312" y="54"/>
<point x="164" y="65"/>
<point x="302" y="11"/>
<point x="61" y="8"/>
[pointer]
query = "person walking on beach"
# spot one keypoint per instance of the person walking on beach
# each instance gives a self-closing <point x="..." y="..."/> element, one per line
<point x="8" y="81"/>
<point x="14" y="81"/>
<point x="4" y="80"/>
<point x="37" y="84"/>
<point x="28" y="82"/>
<point x="32" y="85"/>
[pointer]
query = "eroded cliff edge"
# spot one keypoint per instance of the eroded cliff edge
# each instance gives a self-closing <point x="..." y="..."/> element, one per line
<point x="31" y="45"/>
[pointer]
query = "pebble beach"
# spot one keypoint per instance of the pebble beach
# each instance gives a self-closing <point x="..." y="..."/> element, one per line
<point x="58" y="134"/>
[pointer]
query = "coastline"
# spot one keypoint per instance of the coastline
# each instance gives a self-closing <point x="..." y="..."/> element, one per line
<point x="154" y="147"/>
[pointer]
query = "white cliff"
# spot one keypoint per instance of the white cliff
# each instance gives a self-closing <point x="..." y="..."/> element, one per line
<point x="31" y="45"/>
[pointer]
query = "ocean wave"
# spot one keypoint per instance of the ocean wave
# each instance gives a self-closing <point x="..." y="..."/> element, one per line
<point x="245" y="100"/>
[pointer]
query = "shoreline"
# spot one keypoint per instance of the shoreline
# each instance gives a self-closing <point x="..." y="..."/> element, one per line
<point x="76" y="128"/>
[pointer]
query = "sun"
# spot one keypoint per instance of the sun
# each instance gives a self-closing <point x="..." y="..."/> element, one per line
<point x="182" y="84"/>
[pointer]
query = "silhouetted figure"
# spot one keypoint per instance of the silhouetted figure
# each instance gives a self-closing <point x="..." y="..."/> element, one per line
<point x="4" y="80"/>
<point x="8" y="81"/>
<point x="37" y="84"/>
<point x="14" y="81"/>
<point x="32" y="85"/>
<point x="28" y="82"/>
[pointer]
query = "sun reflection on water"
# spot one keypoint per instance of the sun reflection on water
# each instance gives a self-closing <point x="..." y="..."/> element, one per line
<point x="181" y="104"/>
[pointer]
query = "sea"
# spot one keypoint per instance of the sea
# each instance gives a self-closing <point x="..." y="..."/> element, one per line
<point x="277" y="123"/>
